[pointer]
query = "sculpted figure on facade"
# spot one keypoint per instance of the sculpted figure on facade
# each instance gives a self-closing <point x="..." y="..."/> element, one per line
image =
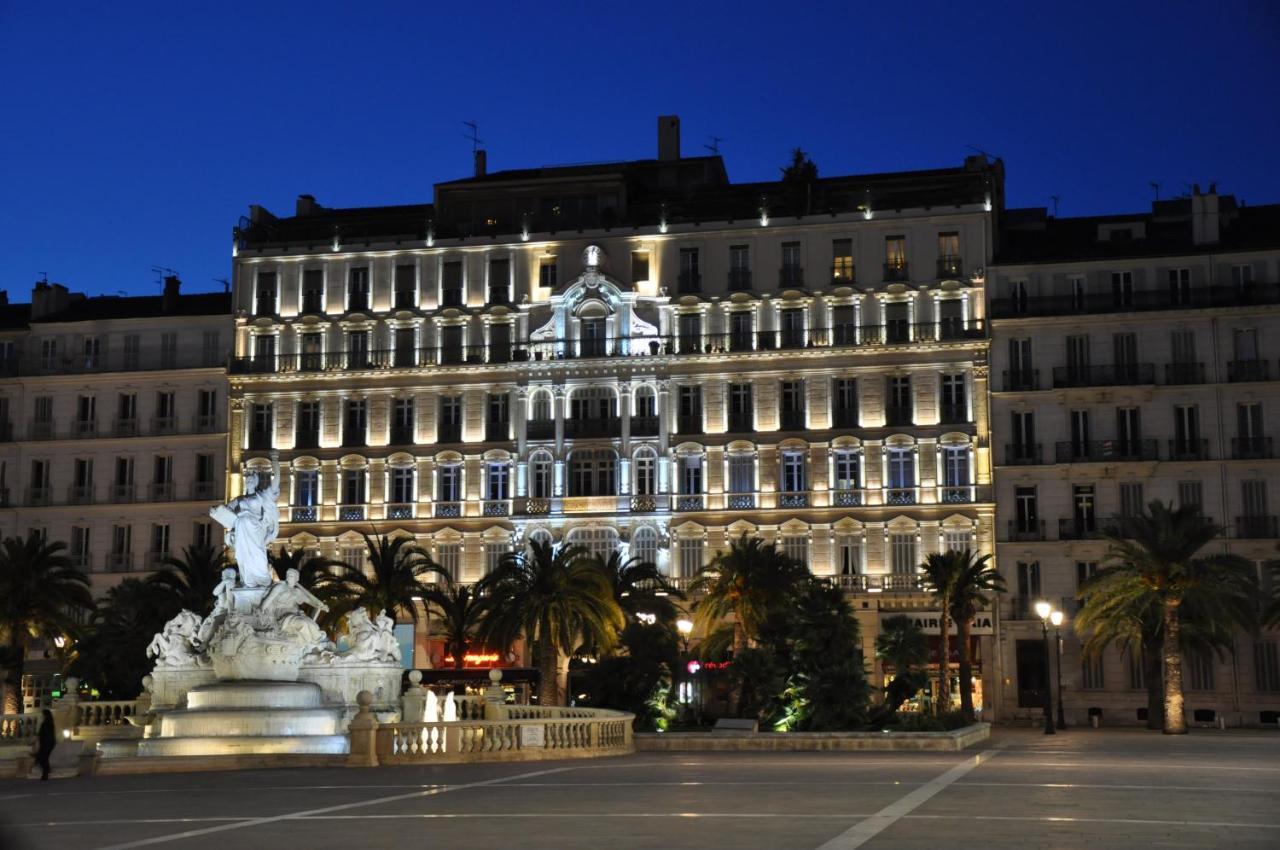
<point x="371" y="640"/>
<point x="175" y="646"/>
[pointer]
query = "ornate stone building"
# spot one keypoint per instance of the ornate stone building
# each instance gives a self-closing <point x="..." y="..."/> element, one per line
<point x="1132" y="358"/>
<point x="639" y="356"/>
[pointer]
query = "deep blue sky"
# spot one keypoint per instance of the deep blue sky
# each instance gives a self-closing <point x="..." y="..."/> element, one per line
<point x="134" y="135"/>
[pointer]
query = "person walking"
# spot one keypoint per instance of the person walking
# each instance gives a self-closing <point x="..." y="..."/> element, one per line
<point x="46" y="740"/>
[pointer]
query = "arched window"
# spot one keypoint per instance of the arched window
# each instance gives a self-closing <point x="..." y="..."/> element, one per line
<point x="597" y="541"/>
<point x="540" y="475"/>
<point x="593" y="472"/>
<point x="955" y="473"/>
<point x="644" y="545"/>
<point x="540" y="406"/>
<point x="900" y="462"/>
<point x="794" y="478"/>
<point x="846" y="477"/>
<point x="646" y="402"/>
<point x="541" y="535"/>
<point x="646" y="472"/>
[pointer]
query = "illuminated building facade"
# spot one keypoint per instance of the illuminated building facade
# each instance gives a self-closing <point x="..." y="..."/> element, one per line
<point x="1133" y="358"/>
<point x="639" y="356"/>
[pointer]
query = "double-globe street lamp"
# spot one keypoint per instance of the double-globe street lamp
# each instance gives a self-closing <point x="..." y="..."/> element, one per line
<point x="685" y="628"/>
<point x="1048" y="614"/>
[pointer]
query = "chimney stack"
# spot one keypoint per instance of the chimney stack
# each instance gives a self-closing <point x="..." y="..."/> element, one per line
<point x="668" y="138"/>
<point x="482" y="165"/>
<point x="306" y="205"/>
<point x="169" y="302"/>
<point x="1206" y="222"/>
<point x="48" y="298"/>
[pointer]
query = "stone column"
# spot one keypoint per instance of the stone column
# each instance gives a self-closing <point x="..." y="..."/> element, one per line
<point x="364" y="734"/>
<point x="557" y="411"/>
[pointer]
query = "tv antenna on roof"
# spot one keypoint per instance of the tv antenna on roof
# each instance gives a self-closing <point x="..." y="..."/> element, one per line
<point x="1155" y="186"/>
<point x="1055" y="199"/>
<point x="473" y="136"/>
<point x="162" y="272"/>
<point x="981" y="151"/>
<point x="44" y="277"/>
<point x="226" y="284"/>
<point x="714" y="147"/>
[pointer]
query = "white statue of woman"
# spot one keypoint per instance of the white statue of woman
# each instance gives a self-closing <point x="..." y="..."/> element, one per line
<point x="252" y="521"/>
<point x="450" y="708"/>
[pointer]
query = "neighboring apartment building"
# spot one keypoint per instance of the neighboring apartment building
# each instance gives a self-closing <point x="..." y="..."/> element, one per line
<point x="639" y="356"/>
<point x="113" y="426"/>
<point x="1134" y="358"/>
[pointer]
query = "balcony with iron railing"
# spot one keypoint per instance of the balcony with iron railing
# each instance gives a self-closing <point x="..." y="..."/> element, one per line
<point x="604" y="426"/>
<point x="352" y="512"/>
<point x="844" y="417"/>
<point x="125" y="427"/>
<point x="260" y="441"/>
<point x="844" y="275"/>
<point x="1114" y="375"/>
<point x="80" y="494"/>
<point x="848" y="497"/>
<point x="793" y="498"/>
<point x="739" y="280"/>
<point x="901" y="495"/>
<point x="122" y="493"/>
<point x="448" y="509"/>
<point x="863" y="583"/>
<point x="304" y="513"/>
<point x="791" y="420"/>
<point x="1257" y="527"/>
<point x="1021" y="380"/>
<point x="1023" y="454"/>
<point x="540" y="429"/>
<point x="498" y="431"/>
<point x="694" y="502"/>
<point x="840" y="336"/>
<point x="896" y="271"/>
<point x="688" y="283"/>
<point x="954" y="414"/>
<point x="1031" y="530"/>
<point x="1251" y="448"/>
<point x="162" y="491"/>
<point x="39" y="496"/>
<point x="898" y="415"/>
<point x="1184" y="373"/>
<point x="399" y="510"/>
<point x="791" y="277"/>
<point x="1081" y="528"/>
<point x="118" y="562"/>
<point x="689" y="423"/>
<point x="644" y="426"/>
<point x="950" y="267"/>
<point x="1136" y="301"/>
<point x="164" y="425"/>
<point x="203" y="490"/>
<point x="741" y="422"/>
<point x="1099" y="451"/>
<point x="84" y="428"/>
<point x="448" y="432"/>
<point x="1188" y="448"/>
<point x="1241" y="371"/>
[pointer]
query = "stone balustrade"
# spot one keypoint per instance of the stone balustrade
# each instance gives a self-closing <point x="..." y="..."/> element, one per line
<point x="19" y="727"/>
<point x="107" y="713"/>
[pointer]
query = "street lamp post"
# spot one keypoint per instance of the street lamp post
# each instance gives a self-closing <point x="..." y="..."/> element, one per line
<point x="1056" y="618"/>
<point x="1043" y="611"/>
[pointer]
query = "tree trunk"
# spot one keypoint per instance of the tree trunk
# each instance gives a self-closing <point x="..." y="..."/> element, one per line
<point x="966" y="668"/>
<point x="548" y="673"/>
<point x="739" y="645"/>
<point x="1175" y="721"/>
<point x="13" y="676"/>
<point x="1153" y="675"/>
<point x="459" y="650"/>
<point x="944" y="662"/>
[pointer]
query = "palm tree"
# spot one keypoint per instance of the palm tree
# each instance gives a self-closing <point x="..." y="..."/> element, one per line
<point x="310" y="565"/>
<point x="1156" y="562"/>
<point x="556" y="596"/>
<point x="193" y="577"/>
<point x="40" y="595"/>
<point x="112" y="656"/>
<point x="744" y="582"/>
<point x="459" y="610"/>
<point x="939" y="572"/>
<point x="398" y="569"/>
<point x="976" y="579"/>
<point x="902" y="645"/>
<point x="639" y="588"/>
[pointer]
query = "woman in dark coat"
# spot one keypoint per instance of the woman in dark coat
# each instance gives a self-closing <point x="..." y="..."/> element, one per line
<point x="46" y="740"/>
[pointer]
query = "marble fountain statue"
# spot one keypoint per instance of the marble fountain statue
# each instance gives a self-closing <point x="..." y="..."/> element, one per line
<point x="259" y="675"/>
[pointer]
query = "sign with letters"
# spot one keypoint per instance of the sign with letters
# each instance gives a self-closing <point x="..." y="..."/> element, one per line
<point x="533" y="736"/>
<point x="929" y="621"/>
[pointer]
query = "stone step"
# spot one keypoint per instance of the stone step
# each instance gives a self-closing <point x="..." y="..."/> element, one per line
<point x="244" y="745"/>
<point x="236" y="722"/>
<point x="253" y="694"/>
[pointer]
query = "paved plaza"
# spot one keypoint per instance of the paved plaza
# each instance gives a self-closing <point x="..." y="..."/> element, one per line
<point x="1085" y="788"/>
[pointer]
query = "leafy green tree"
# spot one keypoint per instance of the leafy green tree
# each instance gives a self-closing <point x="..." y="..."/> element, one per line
<point x="1157" y="561"/>
<point x="827" y="690"/>
<point x="112" y="654"/>
<point x="902" y="646"/>
<point x="638" y="680"/>
<point x="41" y="594"/>
<point x="397" y="570"/>
<point x="192" y="577"/>
<point x="557" y="597"/>
<point x="976" y="579"/>
<point x="458" y="611"/>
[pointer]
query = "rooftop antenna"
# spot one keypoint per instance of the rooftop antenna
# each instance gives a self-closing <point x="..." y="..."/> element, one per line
<point x="226" y="284"/>
<point x="714" y="147"/>
<point x="44" y="277"/>
<point x="981" y="151"/>
<point x="473" y="136"/>
<point x="162" y="272"/>
<point x="1156" y="188"/>
<point x="1055" y="198"/>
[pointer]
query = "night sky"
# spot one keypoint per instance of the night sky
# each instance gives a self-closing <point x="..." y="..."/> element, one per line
<point x="135" y="135"/>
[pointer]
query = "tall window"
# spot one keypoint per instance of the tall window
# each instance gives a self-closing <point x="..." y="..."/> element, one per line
<point x="742" y="474"/>
<point x="689" y="409"/>
<point x="402" y="419"/>
<point x="1026" y="511"/>
<point x="792" y="273"/>
<point x="1122" y="289"/>
<point x="691" y="475"/>
<point x="846" y="473"/>
<point x="1128" y="431"/>
<point x="406" y="286"/>
<point x="593" y="472"/>
<point x="307" y="434"/>
<point x="644" y="545"/>
<point x="902" y="553"/>
<point x="899" y="410"/>
<point x="451" y="284"/>
<point x="646" y="483"/>
<point x="355" y="422"/>
<point x="689" y="332"/>
<point x="955" y="474"/>
<point x="739" y="268"/>
<point x="849" y="554"/>
<point x="1084" y="508"/>
<point x="449" y="482"/>
<point x="901" y="461"/>
<point x="842" y="261"/>
<point x="266" y="294"/>
<point x="1186" y="430"/>
<point x="358" y="288"/>
<point x="741" y="409"/>
<point x="793" y="472"/>
<point x="690" y="279"/>
<point x="639" y="266"/>
<point x="547" y="273"/>
<point x="1131" y="501"/>
<point x="1191" y="494"/>
<point x="498" y="481"/>
<point x="499" y="280"/>
<point x="1180" y="287"/>
<point x="402" y="489"/>
<point x="689" y="555"/>
<point x="449" y="428"/>
<point x="793" y="405"/>
<point x="169" y="350"/>
<point x="159" y="540"/>
<point x="494" y="551"/>
<point x="844" y="402"/>
<point x="955" y="403"/>
<point x="306" y="488"/>
<point x="313" y="291"/>
<point x="796" y="547"/>
<point x="895" y="256"/>
<point x="1023" y="431"/>
<point x="540" y="472"/>
<point x="1092" y="676"/>
<point x="449" y="557"/>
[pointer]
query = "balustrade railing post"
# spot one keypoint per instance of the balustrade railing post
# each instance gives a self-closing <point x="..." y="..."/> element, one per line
<point x="363" y="734"/>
